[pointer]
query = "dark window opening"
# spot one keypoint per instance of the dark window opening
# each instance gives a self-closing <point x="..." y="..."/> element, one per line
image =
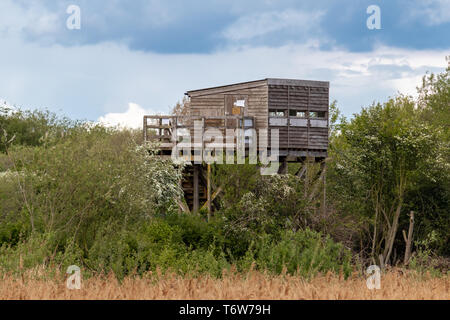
<point x="277" y="113"/>
<point x="317" y="114"/>
<point x="298" y="114"/>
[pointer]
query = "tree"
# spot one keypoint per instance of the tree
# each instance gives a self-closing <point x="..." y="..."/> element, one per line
<point x="382" y="151"/>
<point x="432" y="193"/>
<point x="181" y="108"/>
<point x="434" y="99"/>
<point x="29" y="128"/>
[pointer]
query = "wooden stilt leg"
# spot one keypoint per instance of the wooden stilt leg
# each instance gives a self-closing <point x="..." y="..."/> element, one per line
<point x="325" y="189"/>
<point x="283" y="166"/>
<point x="196" y="188"/>
<point x="209" y="191"/>
<point x="306" y="178"/>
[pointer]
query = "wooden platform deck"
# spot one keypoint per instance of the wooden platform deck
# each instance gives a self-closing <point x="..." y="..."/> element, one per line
<point x="168" y="132"/>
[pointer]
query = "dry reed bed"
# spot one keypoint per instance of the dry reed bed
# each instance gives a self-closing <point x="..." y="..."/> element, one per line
<point x="394" y="285"/>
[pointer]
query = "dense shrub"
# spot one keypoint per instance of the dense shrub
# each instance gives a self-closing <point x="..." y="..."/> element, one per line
<point x="31" y="128"/>
<point x="78" y="193"/>
<point x="39" y="250"/>
<point x="11" y="233"/>
<point x="95" y="175"/>
<point x="156" y="245"/>
<point x="304" y="252"/>
<point x="196" y="232"/>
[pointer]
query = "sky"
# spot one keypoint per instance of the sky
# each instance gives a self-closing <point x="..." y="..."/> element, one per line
<point x="131" y="58"/>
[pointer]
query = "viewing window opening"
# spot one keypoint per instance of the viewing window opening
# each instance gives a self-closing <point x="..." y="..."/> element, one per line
<point x="298" y="114"/>
<point x="317" y="114"/>
<point x="277" y="113"/>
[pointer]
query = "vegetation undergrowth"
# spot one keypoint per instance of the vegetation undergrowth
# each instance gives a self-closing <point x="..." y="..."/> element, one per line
<point x="76" y="193"/>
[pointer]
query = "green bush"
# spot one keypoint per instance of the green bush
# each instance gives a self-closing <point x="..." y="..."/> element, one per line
<point x="97" y="198"/>
<point x="156" y="245"/>
<point x="32" y="128"/>
<point x="39" y="250"/>
<point x="303" y="252"/>
<point x="196" y="232"/>
<point x="202" y="261"/>
<point x="93" y="176"/>
<point x="11" y="233"/>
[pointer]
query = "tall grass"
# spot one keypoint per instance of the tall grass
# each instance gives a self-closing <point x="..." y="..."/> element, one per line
<point x="252" y="285"/>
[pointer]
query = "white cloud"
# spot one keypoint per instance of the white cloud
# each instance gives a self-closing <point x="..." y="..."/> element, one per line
<point x="94" y="80"/>
<point x="131" y="118"/>
<point x="434" y="12"/>
<point x="259" y="24"/>
<point x="33" y="18"/>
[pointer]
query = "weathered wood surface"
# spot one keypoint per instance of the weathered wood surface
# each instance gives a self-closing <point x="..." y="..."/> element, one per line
<point x="218" y="103"/>
<point x="311" y="98"/>
<point x="167" y="134"/>
<point x="308" y="132"/>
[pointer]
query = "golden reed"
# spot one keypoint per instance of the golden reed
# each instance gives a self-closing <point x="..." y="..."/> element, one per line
<point x="254" y="285"/>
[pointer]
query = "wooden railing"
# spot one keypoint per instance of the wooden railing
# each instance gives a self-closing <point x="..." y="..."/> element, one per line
<point x="167" y="129"/>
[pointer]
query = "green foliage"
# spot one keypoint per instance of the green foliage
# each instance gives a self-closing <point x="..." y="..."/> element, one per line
<point x="31" y="128"/>
<point x="392" y="158"/>
<point x="157" y="245"/>
<point x="434" y="97"/>
<point x="12" y="232"/>
<point x="94" y="182"/>
<point x="236" y="180"/>
<point x="39" y="250"/>
<point x="92" y="176"/>
<point x="303" y="252"/>
<point x="168" y="246"/>
<point x="196" y="232"/>
<point x="432" y="190"/>
<point x="424" y="258"/>
<point x="79" y="193"/>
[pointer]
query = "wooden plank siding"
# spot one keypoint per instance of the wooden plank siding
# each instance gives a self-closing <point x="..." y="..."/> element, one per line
<point x="308" y="97"/>
<point x="289" y="95"/>
<point x="318" y="138"/>
<point x="210" y="102"/>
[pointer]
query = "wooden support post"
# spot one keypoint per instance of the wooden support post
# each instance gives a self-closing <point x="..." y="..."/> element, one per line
<point x="306" y="178"/>
<point x="209" y="190"/>
<point x="325" y="188"/>
<point x="409" y="238"/>
<point x="283" y="166"/>
<point x="145" y="129"/>
<point x="174" y="137"/>
<point x="213" y="196"/>
<point x="316" y="187"/>
<point x="196" y="188"/>
<point x="301" y="171"/>
<point x="203" y="140"/>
